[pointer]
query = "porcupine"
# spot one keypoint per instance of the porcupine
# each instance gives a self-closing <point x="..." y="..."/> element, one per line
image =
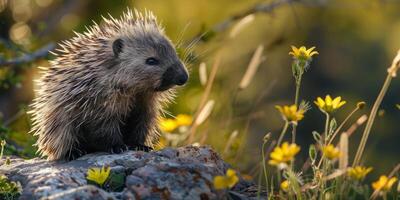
<point x="106" y="88"/>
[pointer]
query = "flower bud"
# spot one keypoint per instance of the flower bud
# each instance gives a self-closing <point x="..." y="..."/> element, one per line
<point x="266" y="137"/>
<point x="361" y="105"/>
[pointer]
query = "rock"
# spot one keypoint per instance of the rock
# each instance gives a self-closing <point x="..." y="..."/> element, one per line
<point x="181" y="173"/>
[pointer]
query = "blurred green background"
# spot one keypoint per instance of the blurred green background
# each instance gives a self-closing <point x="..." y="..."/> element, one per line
<point x="356" y="41"/>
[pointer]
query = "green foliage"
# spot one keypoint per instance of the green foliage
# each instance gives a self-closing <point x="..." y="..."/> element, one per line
<point x="20" y="144"/>
<point x="9" y="190"/>
<point x="116" y="182"/>
<point x="8" y="78"/>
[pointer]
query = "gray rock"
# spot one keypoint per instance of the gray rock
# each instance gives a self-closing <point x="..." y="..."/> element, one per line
<point x="182" y="173"/>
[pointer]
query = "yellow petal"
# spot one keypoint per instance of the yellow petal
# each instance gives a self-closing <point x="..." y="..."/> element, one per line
<point x="285" y="145"/>
<point x="293" y="109"/>
<point x="336" y="101"/>
<point x="279" y="108"/>
<point x="276" y="155"/>
<point x="273" y="162"/>
<point x="320" y="102"/>
<point x="295" y="49"/>
<point x="310" y="50"/>
<point x="314" y="53"/>
<point x="391" y="182"/>
<point x="294" y="52"/>
<point x="232" y="181"/>
<point x="168" y="125"/>
<point x="220" y="182"/>
<point x="341" y="104"/>
<point x="328" y="100"/>
<point x="230" y="172"/>
<point x="183" y="120"/>
<point x="369" y="169"/>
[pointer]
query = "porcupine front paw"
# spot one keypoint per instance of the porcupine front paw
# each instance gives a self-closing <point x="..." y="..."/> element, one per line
<point x="140" y="147"/>
<point x="75" y="154"/>
<point x="117" y="149"/>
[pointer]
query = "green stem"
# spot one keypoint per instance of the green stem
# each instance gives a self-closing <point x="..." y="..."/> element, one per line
<point x="282" y="133"/>
<point x="296" y="102"/>
<point x="326" y="128"/>
<point x="324" y="140"/>
<point x="259" y="185"/>
<point x="1" y="153"/>
<point x="264" y="165"/>
<point x="371" y="120"/>
<point x="296" y="98"/>
<point x="279" y="177"/>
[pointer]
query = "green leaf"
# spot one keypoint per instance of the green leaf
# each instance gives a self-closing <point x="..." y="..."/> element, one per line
<point x="317" y="136"/>
<point x="312" y="152"/>
<point x="398" y="106"/>
<point x="116" y="182"/>
<point x="332" y="126"/>
<point x="9" y="189"/>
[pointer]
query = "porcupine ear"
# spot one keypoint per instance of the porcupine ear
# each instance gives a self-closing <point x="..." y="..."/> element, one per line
<point x="117" y="47"/>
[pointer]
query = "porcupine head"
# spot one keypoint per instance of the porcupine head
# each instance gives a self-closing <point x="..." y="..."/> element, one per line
<point x="106" y="87"/>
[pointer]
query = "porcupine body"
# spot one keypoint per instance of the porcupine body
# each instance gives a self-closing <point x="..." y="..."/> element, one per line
<point x="105" y="89"/>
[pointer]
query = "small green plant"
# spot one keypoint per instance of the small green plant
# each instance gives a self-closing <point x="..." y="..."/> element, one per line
<point x="9" y="190"/>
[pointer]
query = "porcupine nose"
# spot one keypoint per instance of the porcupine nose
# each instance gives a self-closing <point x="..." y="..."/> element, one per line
<point x="182" y="75"/>
<point x="182" y="79"/>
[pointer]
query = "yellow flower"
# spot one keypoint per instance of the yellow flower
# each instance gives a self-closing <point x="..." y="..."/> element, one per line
<point x="167" y="125"/>
<point x="98" y="175"/>
<point x="183" y="120"/>
<point x="384" y="183"/>
<point x="398" y="106"/>
<point x="227" y="181"/>
<point x="303" y="53"/>
<point x="329" y="105"/>
<point x="285" y="185"/>
<point x="291" y="113"/>
<point x="330" y="152"/>
<point x="359" y="172"/>
<point x="283" y="154"/>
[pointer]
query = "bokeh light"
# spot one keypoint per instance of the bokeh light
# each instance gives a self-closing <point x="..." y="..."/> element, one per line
<point x="20" y="33"/>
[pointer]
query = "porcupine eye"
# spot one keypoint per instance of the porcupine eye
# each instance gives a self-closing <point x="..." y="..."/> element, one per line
<point x="152" y="61"/>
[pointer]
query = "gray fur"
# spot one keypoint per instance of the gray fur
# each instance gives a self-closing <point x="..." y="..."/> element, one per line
<point x="98" y="95"/>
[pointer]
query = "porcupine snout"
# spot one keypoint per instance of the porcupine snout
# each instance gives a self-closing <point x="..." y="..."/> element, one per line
<point x="181" y="76"/>
<point x="175" y="74"/>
